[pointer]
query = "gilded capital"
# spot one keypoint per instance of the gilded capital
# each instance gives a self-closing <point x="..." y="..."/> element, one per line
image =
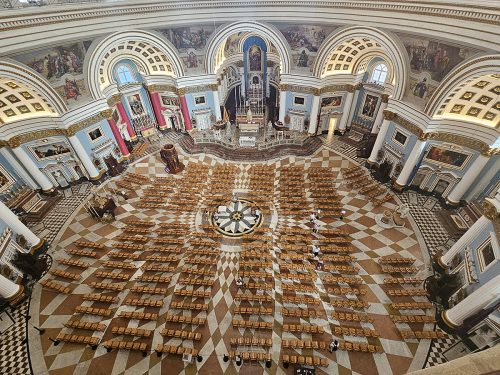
<point x="384" y="98"/>
<point x="349" y="88"/>
<point x="115" y="98"/>
<point x="358" y="86"/>
<point x="489" y="210"/>
<point x="316" y="92"/>
<point x="388" y="115"/>
<point x="213" y="87"/>
<point x="181" y="91"/>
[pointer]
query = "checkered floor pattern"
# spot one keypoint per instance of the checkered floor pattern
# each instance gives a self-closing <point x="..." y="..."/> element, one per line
<point x="369" y="238"/>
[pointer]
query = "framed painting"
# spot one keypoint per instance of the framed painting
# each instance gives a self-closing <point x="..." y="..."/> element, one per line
<point x="135" y="103"/>
<point x="6" y="180"/>
<point x="446" y="157"/>
<point x="44" y="151"/>
<point x="399" y="138"/>
<point x="200" y="100"/>
<point x="299" y="100"/>
<point x="95" y="134"/>
<point x="331" y="101"/>
<point x="369" y="106"/>
<point x="169" y="101"/>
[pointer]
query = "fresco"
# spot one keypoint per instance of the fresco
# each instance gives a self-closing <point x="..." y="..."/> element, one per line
<point x="232" y="43"/>
<point x="331" y="101"/>
<point x="446" y="157"/>
<point x="184" y="38"/>
<point x="255" y="59"/>
<point x="63" y="68"/>
<point x="51" y="150"/>
<point x="304" y="36"/>
<point x="369" y="106"/>
<point x="430" y="62"/>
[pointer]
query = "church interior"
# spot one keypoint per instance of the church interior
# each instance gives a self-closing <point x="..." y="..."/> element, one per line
<point x="292" y="187"/>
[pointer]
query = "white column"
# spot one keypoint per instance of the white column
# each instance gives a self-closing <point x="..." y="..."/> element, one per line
<point x="346" y="110"/>
<point x="242" y="75"/>
<point x="19" y="168"/>
<point x="380" y="115"/>
<point x="217" y="105"/>
<point x="379" y="142"/>
<point x="464" y="241"/>
<point x="410" y="163"/>
<point x="352" y="111"/>
<point x="473" y="303"/>
<point x="84" y="157"/>
<point x="10" y="218"/>
<point x="8" y="288"/>
<point x="313" y="118"/>
<point x="283" y="95"/>
<point x="467" y="180"/>
<point x="33" y="170"/>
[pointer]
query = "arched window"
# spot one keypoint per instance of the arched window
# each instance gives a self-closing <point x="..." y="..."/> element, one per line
<point x="125" y="76"/>
<point x="379" y="74"/>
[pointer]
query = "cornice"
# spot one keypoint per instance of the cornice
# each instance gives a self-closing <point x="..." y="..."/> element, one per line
<point x="435" y="9"/>
<point x="18" y="140"/>
<point x="195" y="89"/>
<point x="299" y="89"/>
<point x="337" y="88"/>
<point x="162" y="88"/>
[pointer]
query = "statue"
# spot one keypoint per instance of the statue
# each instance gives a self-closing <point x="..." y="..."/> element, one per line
<point x="397" y="217"/>
<point x="168" y="155"/>
<point x="249" y="115"/>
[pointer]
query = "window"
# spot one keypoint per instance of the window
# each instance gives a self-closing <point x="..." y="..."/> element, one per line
<point x="379" y="74"/>
<point x="125" y="76"/>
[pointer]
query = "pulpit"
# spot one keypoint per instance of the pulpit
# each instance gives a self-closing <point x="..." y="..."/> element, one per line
<point x="170" y="157"/>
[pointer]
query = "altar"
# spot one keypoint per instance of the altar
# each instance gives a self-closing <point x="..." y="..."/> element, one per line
<point x="249" y="127"/>
<point x="247" y="141"/>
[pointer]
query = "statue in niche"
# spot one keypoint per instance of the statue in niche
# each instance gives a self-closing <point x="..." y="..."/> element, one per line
<point x="303" y="60"/>
<point x="249" y="115"/>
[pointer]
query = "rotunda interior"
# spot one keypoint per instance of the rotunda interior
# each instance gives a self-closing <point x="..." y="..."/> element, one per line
<point x="293" y="187"/>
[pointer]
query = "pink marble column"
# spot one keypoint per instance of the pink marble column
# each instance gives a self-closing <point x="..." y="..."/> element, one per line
<point x="119" y="140"/>
<point x="123" y="115"/>
<point x="155" y="100"/>
<point x="185" y="114"/>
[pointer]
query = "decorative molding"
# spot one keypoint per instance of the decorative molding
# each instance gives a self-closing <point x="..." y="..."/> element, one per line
<point x="384" y="98"/>
<point x="162" y="88"/>
<point x="196" y="89"/>
<point x="388" y="115"/>
<point x="300" y="89"/>
<point x="468" y="142"/>
<point x="336" y="88"/>
<point x="489" y="210"/>
<point x="115" y="98"/>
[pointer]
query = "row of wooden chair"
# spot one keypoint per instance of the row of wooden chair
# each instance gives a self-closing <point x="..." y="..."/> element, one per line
<point x="202" y="261"/>
<point x="192" y="293"/>
<point x="252" y="324"/>
<point x="138" y="315"/>
<point x="403" y="280"/>
<point x="258" y="286"/>
<point x="252" y="310"/>
<point x="413" y="318"/>
<point x="122" y="265"/>
<point x="143" y="302"/>
<point x="299" y="300"/>
<point x="411" y="305"/>
<point x="406" y="292"/>
<point x="299" y="313"/>
<point x="139" y="223"/>
<point x="297" y="277"/>
<point x="100" y="298"/>
<point x="395" y="260"/>
<point x="92" y="311"/>
<point x="128" y="331"/>
<point x="49" y="284"/>
<point x="189" y="306"/>
<point x="305" y="328"/>
<point x="125" y="345"/>
<point x="77" y="339"/>
<point x="410" y="269"/>
<point x="185" y="319"/>
<point x="140" y="230"/>
<point x="128" y="246"/>
<point x="154" y="279"/>
<point x="304" y="344"/>
<point x="346" y="291"/>
<point x="305" y="360"/>
<point x="299" y="288"/>
<point x="80" y="324"/>
<point x="92" y="245"/>
<point x="354" y="331"/>
<point x="179" y="334"/>
<point x="148" y="290"/>
<point x="64" y="274"/>
<point x="351" y="280"/>
<point x="250" y="357"/>
<point x="195" y="282"/>
<point x="198" y="271"/>
<point x="117" y="254"/>
<point x="107" y="286"/>
<point x="256" y="264"/>
<point x="133" y="238"/>
<point x="359" y="347"/>
<point x="341" y="268"/>
<point x="408" y="334"/>
<point x="352" y="317"/>
<point x="251" y="341"/>
<point x="159" y="268"/>
<point x="379" y="201"/>
<point x="296" y="267"/>
<point x="163" y="259"/>
<point x="73" y="263"/>
<point x="254" y="274"/>
<point x="253" y="298"/>
<point x="349" y="303"/>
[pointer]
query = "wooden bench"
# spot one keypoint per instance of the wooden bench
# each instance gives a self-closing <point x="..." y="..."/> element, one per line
<point x="77" y="339"/>
<point x="143" y="302"/>
<point x="252" y="324"/>
<point x="113" y="275"/>
<point x="251" y="341"/>
<point x="107" y="286"/>
<point x="185" y="319"/>
<point x="65" y="274"/>
<point x="100" y="298"/>
<point x="189" y="306"/>
<point x="305" y="328"/>
<point x="148" y="290"/>
<point x="92" y="311"/>
<point x="81" y="324"/>
<point x="49" y="284"/>
<point x="305" y="360"/>
<point x="74" y="263"/>
<point x="131" y="331"/>
<point x="175" y="349"/>
<point x="125" y="345"/>
<point x="138" y="315"/>
<point x="185" y="335"/>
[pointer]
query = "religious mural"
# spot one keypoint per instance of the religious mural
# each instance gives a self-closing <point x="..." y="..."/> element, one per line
<point x="135" y="104"/>
<point x="430" y="62"/>
<point x="63" y="68"/>
<point x="369" y="106"/>
<point x="51" y="150"/>
<point x="231" y="46"/>
<point x="305" y="36"/>
<point x="255" y="59"/>
<point x="302" y="60"/>
<point x="447" y="157"/>
<point x="331" y="101"/>
<point x="6" y="180"/>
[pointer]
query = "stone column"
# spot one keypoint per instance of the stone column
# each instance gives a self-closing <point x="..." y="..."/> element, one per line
<point x="18" y="227"/>
<point x="379" y="142"/>
<point x="118" y="137"/>
<point x="40" y="178"/>
<point x="94" y="174"/>
<point x="380" y="114"/>
<point x="217" y="113"/>
<point x="313" y="118"/>
<point x="283" y="95"/>
<point x="19" y="168"/>
<point x="9" y="290"/>
<point x="126" y="120"/>
<point x="467" y="180"/>
<point x="472" y="304"/>
<point x="410" y="164"/>
<point x="185" y="114"/>
<point x="155" y="101"/>
<point x="346" y="108"/>
<point x="243" y="83"/>
<point x="459" y="246"/>
<point x="352" y="111"/>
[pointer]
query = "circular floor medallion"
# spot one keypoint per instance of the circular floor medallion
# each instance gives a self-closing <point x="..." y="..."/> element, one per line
<point x="235" y="219"/>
